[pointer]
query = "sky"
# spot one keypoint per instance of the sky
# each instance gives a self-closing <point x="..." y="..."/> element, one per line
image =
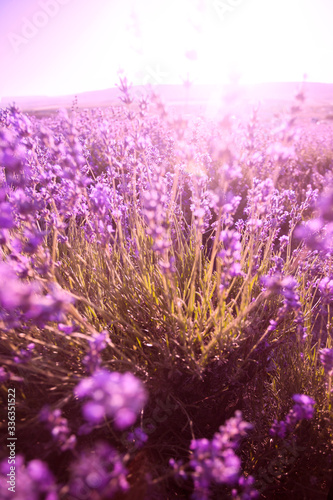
<point x="59" y="47"/>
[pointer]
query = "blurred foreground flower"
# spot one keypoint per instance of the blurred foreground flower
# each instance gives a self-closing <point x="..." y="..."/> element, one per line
<point x="58" y="426"/>
<point x="318" y="232"/>
<point x="230" y="256"/>
<point x="20" y="300"/>
<point x="116" y="395"/>
<point x="98" y="473"/>
<point x="33" y="481"/>
<point x="287" y="287"/>
<point x="92" y="361"/>
<point x="154" y="201"/>
<point x="326" y="358"/>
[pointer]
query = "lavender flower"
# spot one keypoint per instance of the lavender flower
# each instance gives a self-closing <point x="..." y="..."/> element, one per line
<point x="260" y="197"/>
<point x="215" y="460"/>
<point x="233" y="431"/>
<point x="137" y="438"/>
<point x="6" y="216"/>
<point x="25" y="355"/>
<point x="312" y="233"/>
<point x="23" y="300"/>
<point x="125" y="87"/>
<point x="326" y="358"/>
<point x="115" y="395"/>
<point x="154" y="211"/>
<point x="325" y="206"/>
<point x="227" y="203"/>
<point x="51" y="307"/>
<point x="286" y="286"/>
<point x="4" y="375"/>
<point x="325" y="286"/>
<point x="318" y="232"/>
<point x="13" y="292"/>
<point x="200" y="199"/>
<point x="302" y="409"/>
<point x="291" y="297"/>
<point x="230" y="256"/>
<point x="246" y="485"/>
<point x="58" y="426"/>
<point x="98" y="473"/>
<point x="178" y="468"/>
<point x="32" y="481"/>
<point x="66" y="329"/>
<point x="97" y="343"/>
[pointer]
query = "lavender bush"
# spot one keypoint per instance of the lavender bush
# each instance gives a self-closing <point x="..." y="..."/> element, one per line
<point x="165" y="297"/>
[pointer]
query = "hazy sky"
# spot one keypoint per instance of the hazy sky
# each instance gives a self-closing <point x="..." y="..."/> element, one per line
<point x="53" y="47"/>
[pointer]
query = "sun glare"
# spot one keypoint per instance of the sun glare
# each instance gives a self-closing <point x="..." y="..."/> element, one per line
<point x="52" y="47"/>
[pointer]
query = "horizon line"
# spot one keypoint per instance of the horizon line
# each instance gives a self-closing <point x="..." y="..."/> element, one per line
<point x="148" y="86"/>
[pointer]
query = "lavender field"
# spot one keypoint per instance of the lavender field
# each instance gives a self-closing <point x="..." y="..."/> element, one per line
<point x="166" y="291"/>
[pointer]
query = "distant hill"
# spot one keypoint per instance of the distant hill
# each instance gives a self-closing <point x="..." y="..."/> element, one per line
<point x="272" y="94"/>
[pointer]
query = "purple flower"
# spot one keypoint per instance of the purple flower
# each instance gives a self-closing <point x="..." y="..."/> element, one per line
<point x="227" y="203"/>
<point x="154" y="210"/>
<point x="44" y="308"/>
<point x="230" y="255"/>
<point x="284" y="240"/>
<point x="260" y="197"/>
<point x="13" y="292"/>
<point x="281" y="153"/>
<point x="12" y="157"/>
<point x="125" y="88"/>
<point x="115" y="395"/>
<point x="6" y="216"/>
<point x="4" y="376"/>
<point x="326" y="358"/>
<point x="215" y="460"/>
<point x="212" y="465"/>
<point x="32" y="481"/>
<point x="325" y="205"/>
<point x="286" y="286"/>
<point x="137" y="438"/>
<point x="246" y="485"/>
<point x="279" y="429"/>
<point x="312" y="233"/>
<point x="58" y="426"/>
<point x="177" y="466"/>
<point x="318" y="232"/>
<point x="99" y="470"/>
<point x="67" y="329"/>
<point x="33" y="240"/>
<point x="302" y="409"/>
<point x="92" y="361"/>
<point x="23" y="300"/>
<point x="25" y="355"/>
<point x="325" y="286"/>
<point x="233" y="431"/>
<point x="291" y="297"/>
